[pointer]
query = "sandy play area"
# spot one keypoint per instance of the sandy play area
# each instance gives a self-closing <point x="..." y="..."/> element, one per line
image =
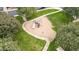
<point x="41" y="27"/>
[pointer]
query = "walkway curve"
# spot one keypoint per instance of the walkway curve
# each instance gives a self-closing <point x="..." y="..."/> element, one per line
<point x="46" y="15"/>
<point x="47" y="42"/>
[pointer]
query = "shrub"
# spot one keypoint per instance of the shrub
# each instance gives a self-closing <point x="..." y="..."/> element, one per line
<point x="19" y="18"/>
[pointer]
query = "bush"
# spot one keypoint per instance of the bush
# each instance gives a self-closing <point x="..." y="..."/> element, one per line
<point x="68" y="37"/>
<point x="20" y="19"/>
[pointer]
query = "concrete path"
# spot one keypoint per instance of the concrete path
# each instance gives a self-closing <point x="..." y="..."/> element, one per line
<point x="44" y="32"/>
<point x="46" y="46"/>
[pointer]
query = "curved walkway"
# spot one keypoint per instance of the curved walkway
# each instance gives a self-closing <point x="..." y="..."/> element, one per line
<point x="44" y="32"/>
<point x="46" y="15"/>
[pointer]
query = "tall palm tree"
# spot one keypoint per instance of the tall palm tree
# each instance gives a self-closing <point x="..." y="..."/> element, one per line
<point x="26" y="12"/>
<point x="73" y="11"/>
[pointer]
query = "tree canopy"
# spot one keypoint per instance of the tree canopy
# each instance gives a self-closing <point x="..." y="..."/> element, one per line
<point x="9" y="26"/>
<point x="73" y="11"/>
<point x="7" y="44"/>
<point x="68" y="37"/>
<point x="26" y="11"/>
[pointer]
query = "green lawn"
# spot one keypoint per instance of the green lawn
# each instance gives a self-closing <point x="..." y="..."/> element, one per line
<point x="57" y="20"/>
<point x="28" y="42"/>
<point x="43" y="12"/>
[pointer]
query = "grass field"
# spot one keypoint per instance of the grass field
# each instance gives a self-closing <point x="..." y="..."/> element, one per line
<point x="59" y="19"/>
<point x="28" y="42"/>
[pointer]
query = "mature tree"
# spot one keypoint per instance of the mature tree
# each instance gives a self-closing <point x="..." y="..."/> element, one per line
<point x="68" y="37"/>
<point x="73" y="11"/>
<point x="26" y="11"/>
<point x="8" y="25"/>
<point x="8" y="28"/>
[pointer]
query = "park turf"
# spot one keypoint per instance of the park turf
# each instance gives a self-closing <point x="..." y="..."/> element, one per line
<point x="27" y="42"/>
